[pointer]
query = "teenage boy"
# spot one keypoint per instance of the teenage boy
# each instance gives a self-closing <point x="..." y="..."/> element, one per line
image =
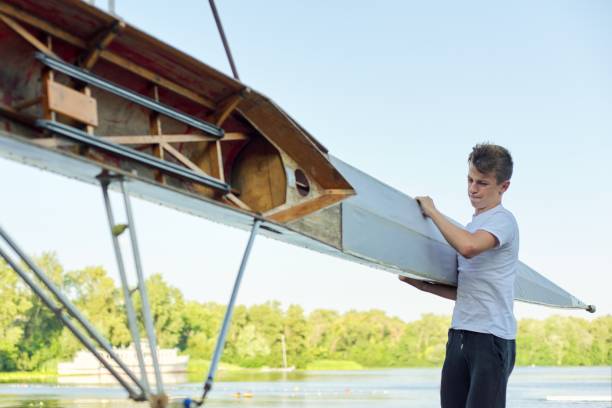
<point x="480" y="352"/>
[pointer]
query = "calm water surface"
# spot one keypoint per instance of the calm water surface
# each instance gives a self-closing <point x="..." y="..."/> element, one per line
<point x="529" y="388"/>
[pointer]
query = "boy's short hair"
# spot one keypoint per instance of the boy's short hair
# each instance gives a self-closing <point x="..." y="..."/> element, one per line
<point x="490" y="158"/>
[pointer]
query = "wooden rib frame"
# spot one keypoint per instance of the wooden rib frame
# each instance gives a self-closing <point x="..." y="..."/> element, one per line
<point x="96" y="50"/>
<point x="160" y="141"/>
<point x="226" y="107"/>
<point x="100" y="43"/>
<point x="8" y="10"/>
<point x="26" y="35"/>
<point x="171" y="138"/>
<point x="328" y="198"/>
<point x="155" y="129"/>
<point x="27" y="103"/>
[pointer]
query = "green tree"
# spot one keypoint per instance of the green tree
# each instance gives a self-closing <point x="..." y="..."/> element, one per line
<point x="423" y="341"/>
<point x="320" y="339"/>
<point x="201" y="323"/>
<point x="600" y="330"/>
<point x="97" y="297"/>
<point x="15" y="303"/>
<point x="252" y="346"/>
<point x="366" y="337"/>
<point x="295" y="330"/>
<point x="32" y="337"/>
<point x="41" y="328"/>
<point x="240" y="319"/>
<point x="267" y="318"/>
<point x="166" y="304"/>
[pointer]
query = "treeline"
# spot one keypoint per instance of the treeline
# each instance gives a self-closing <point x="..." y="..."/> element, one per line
<point x="31" y="338"/>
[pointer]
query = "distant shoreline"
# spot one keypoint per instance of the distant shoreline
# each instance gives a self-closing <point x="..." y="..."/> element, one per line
<point x="266" y="334"/>
<point x="42" y="377"/>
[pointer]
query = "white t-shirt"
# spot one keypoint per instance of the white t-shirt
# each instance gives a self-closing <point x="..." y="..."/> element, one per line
<point x="485" y="283"/>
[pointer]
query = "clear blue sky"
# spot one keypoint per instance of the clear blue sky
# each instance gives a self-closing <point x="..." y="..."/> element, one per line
<point x="402" y="90"/>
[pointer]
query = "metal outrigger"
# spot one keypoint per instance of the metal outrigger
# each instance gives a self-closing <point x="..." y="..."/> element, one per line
<point x="159" y="399"/>
<point x="68" y="314"/>
<point x="226" y="320"/>
<point x="138" y="387"/>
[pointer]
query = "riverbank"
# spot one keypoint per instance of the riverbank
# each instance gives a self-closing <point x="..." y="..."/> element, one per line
<point x="198" y="368"/>
<point x="529" y="387"/>
<point x="27" y="376"/>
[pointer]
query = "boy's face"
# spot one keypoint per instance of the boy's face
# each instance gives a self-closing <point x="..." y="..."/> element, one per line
<point x="483" y="190"/>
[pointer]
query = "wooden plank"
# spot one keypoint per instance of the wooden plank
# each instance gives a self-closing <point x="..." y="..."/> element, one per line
<point x="181" y="158"/>
<point x="144" y="140"/>
<point x="307" y="207"/>
<point x="216" y="160"/>
<point x="100" y="43"/>
<point x="41" y="24"/>
<point x="53" y="142"/>
<point x="226" y="107"/>
<point x="237" y="202"/>
<point x="184" y="59"/>
<point x="287" y="135"/>
<point x="71" y="103"/>
<point x="87" y="92"/>
<point x="47" y="78"/>
<point x="155" y="128"/>
<point x="258" y="173"/>
<point x="155" y="78"/>
<point x="229" y="136"/>
<point x="324" y="225"/>
<point x="26" y="104"/>
<point x="155" y="124"/>
<point x="26" y="35"/>
<point x="339" y="191"/>
<point x="47" y="141"/>
<point x="107" y="55"/>
<point x="169" y="138"/>
<point x="158" y="152"/>
<point x="19" y="117"/>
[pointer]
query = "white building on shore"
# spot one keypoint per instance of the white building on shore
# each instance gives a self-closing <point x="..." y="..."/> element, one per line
<point x="86" y="369"/>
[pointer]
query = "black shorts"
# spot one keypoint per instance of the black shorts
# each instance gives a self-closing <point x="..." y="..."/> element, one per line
<point x="476" y="370"/>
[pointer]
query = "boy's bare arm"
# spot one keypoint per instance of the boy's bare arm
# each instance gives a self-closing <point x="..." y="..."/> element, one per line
<point x="468" y="244"/>
<point x="445" y="291"/>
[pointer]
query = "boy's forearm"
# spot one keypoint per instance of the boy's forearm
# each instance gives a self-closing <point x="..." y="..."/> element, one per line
<point x="457" y="237"/>
<point x="445" y="291"/>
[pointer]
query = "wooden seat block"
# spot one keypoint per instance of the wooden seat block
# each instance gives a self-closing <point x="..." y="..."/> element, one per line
<point x="74" y="104"/>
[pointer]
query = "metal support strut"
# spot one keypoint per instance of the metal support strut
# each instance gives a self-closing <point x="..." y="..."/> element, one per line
<point x="65" y="312"/>
<point x="228" y="52"/>
<point x="227" y="319"/>
<point x="116" y="230"/>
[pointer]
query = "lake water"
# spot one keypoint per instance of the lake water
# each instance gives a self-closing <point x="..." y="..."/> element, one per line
<point x="529" y="387"/>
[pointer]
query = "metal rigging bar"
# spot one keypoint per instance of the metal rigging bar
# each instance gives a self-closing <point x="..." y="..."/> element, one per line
<point x="146" y="310"/>
<point x="129" y="305"/>
<point x="228" y="317"/>
<point x="159" y="399"/>
<point x="67" y="306"/>
<point x="152" y="104"/>
<point x="131" y="154"/>
<point x="228" y="52"/>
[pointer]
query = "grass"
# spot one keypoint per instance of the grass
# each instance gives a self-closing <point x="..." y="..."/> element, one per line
<point x="334" y="365"/>
<point x="27" y="376"/>
<point x="196" y="369"/>
<point x="200" y="366"/>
